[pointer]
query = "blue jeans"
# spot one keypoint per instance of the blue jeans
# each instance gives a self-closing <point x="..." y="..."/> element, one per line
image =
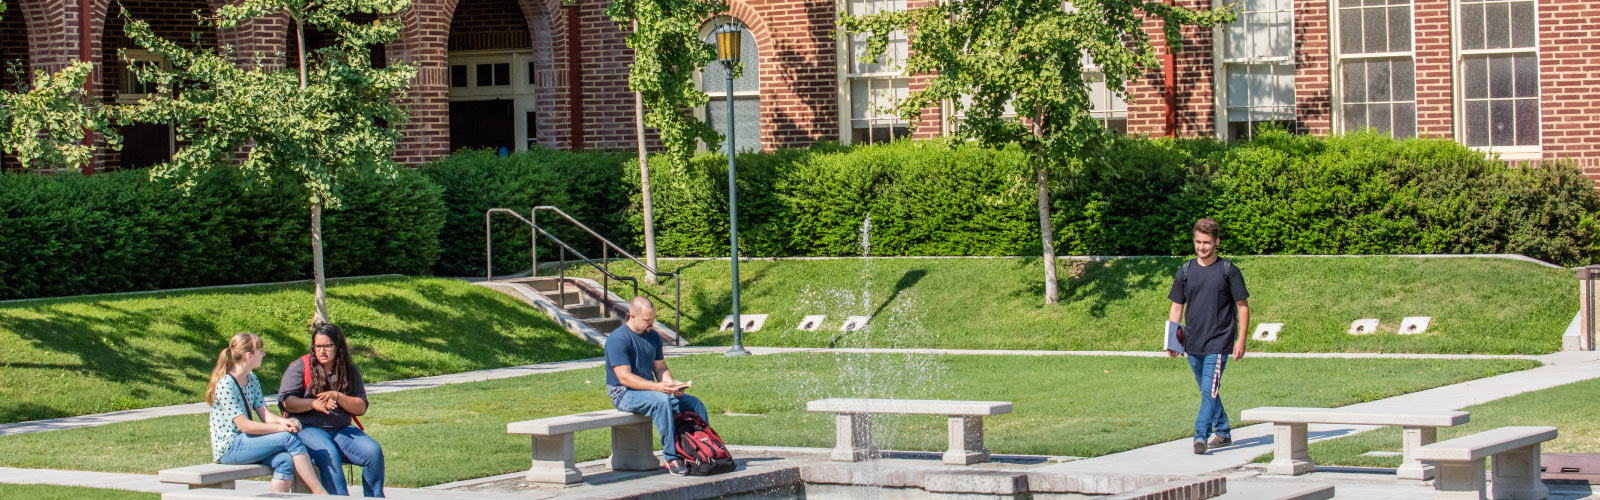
<point x="330" y="450"/>
<point x="276" y="450"/>
<point x="660" y="406"/>
<point x="1208" y="375"/>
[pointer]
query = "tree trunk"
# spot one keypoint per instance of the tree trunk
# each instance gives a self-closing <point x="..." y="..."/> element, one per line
<point x="644" y="183"/>
<point x="300" y="40"/>
<point x="321" y="299"/>
<point x="1047" y="236"/>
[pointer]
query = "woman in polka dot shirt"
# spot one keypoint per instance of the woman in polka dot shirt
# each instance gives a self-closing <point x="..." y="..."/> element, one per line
<point x="236" y="437"/>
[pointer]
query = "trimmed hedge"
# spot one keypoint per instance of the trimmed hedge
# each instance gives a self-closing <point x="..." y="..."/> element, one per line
<point x="119" y="231"/>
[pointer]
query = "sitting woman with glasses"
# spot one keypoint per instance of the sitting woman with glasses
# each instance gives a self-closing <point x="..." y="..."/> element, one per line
<point x="324" y="391"/>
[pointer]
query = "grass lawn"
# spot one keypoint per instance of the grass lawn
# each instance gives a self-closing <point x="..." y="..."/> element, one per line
<point x="1570" y="408"/>
<point x="1082" y="406"/>
<point x="76" y="356"/>
<point x="48" y="492"/>
<point x="1490" y="306"/>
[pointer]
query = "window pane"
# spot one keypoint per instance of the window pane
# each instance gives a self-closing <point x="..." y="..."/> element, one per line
<point x="1349" y="3"/>
<point x="533" y="128"/>
<point x="1501" y="123"/>
<point x="531" y="75"/>
<point x="1476" y="78"/>
<point x="1500" y="76"/>
<point x="1355" y="117"/>
<point x="1527" y="75"/>
<point x="1238" y="87"/>
<point x="747" y="121"/>
<point x="1378" y="82"/>
<point x="1260" y="85"/>
<point x="1378" y="117"/>
<point x="1497" y="25"/>
<point x="1404" y="79"/>
<point x="458" y="75"/>
<point x="1477" y="123"/>
<point x="1522" y="27"/>
<point x="1350" y="31"/>
<point x="1354" y="81"/>
<point x="1376" y="32"/>
<point x="485" y="75"/>
<point x="1283" y="90"/>
<point x="1405" y="121"/>
<point x="1527" y="122"/>
<point x="1238" y="42"/>
<point x="502" y="74"/>
<point x="1280" y="35"/>
<point x="875" y="98"/>
<point x="1257" y="5"/>
<point x="1471" y="26"/>
<point x="714" y="76"/>
<point x="1400" y="29"/>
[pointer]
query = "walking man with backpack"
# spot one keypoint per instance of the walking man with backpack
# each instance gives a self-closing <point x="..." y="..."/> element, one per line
<point x="1209" y="297"/>
<point x="638" y="380"/>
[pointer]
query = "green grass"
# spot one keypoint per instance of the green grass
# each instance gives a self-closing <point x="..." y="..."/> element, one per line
<point x="1570" y="408"/>
<point x="1482" y="305"/>
<point x="1065" y="405"/>
<point x="95" y="354"/>
<point x="49" y="492"/>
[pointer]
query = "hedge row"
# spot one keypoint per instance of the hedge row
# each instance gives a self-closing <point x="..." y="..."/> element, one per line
<point x="119" y="231"/>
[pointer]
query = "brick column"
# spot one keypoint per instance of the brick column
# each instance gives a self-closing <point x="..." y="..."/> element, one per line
<point x="423" y="43"/>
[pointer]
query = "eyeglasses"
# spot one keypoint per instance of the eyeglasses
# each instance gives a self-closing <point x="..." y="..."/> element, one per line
<point x="322" y="346"/>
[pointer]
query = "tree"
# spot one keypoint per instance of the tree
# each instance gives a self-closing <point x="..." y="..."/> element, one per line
<point x="330" y="118"/>
<point x="1028" y="55"/>
<point x="667" y="50"/>
<point x="44" y="123"/>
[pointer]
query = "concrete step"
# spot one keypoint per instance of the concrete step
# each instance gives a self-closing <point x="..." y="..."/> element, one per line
<point x="585" y="311"/>
<point x="1276" y="490"/>
<point x="540" y="283"/>
<point x="604" y="325"/>
<point x="572" y="297"/>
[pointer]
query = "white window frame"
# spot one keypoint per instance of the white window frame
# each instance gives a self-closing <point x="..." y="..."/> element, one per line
<point x="143" y="56"/>
<point x="1336" y="74"/>
<point x="1458" y="58"/>
<point x="1092" y="73"/>
<point x="521" y="92"/>
<point x="876" y="118"/>
<point x="1220" y="66"/>
<point x="700" y="112"/>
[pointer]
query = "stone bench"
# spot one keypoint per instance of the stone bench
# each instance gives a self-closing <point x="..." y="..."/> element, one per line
<point x="1291" y="455"/>
<point x="220" y="476"/>
<point x="853" y="417"/>
<point x="554" y="459"/>
<point x="1516" y="464"/>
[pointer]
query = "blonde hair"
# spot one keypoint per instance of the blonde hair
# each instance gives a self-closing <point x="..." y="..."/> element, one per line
<point x="240" y="347"/>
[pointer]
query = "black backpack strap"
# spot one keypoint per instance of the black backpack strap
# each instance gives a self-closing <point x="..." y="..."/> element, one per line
<point x="245" y="402"/>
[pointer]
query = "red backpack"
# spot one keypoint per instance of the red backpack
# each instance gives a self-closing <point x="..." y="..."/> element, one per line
<point x="305" y="362"/>
<point x="700" y="447"/>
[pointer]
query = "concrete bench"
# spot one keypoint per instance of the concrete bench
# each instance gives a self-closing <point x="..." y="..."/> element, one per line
<point x="554" y="459"/>
<point x="853" y="417"/>
<point x="1516" y="464"/>
<point x="1291" y="455"/>
<point x="220" y="476"/>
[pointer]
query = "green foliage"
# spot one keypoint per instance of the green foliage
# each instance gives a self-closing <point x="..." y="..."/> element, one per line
<point x="44" y="126"/>
<point x="667" y="51"/>
<point x="584" y="185"/>
<point x="120" y="231"/>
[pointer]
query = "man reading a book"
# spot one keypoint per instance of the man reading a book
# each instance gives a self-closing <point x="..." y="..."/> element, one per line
<point x="1208" y="296"/>
<point x="638" y="381"/>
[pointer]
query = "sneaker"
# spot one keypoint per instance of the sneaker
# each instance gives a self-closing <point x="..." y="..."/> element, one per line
<point x="676" y="467"/>
<point x="1218" y="441"/>
<point x="1199" y="446"/>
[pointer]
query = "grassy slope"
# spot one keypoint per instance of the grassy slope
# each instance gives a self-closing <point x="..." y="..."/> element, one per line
<point x="85" y="355"/>
<point x="1083" y="406"/>
<point x="1493" y="306"/>
<point x="1570" y="408"/>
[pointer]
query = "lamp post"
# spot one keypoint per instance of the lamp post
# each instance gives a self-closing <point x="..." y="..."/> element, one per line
<point x="728" y="38"/>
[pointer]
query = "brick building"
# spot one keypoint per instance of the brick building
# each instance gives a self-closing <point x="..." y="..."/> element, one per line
<point x="1514" y="77"/>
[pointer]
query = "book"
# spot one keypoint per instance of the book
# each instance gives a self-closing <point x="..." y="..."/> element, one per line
<point x="1172" y="343"/>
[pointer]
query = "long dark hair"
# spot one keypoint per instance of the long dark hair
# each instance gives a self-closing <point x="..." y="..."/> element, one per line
<point x="339" y="378"/>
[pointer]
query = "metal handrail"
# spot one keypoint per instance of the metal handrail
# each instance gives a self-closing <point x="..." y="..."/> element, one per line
<point x="561" y="283"/>
<point x="606" y="245"/>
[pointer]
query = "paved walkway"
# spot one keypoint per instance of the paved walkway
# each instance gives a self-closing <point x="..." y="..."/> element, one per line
<point x="1177" y="457"/>
<point x="559" y="366"/>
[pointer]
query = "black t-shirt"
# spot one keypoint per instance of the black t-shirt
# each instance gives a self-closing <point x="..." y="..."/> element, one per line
<point x="294" y="384"/>
<point x="1211" y="321"/>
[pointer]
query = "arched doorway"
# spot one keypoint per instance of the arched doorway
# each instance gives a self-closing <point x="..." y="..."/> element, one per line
<point x="144" y="145"/>
<point x="491" y="77"/>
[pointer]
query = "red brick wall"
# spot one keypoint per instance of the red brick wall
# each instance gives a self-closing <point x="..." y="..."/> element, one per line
<point x="1569" y="70"/>
<point x="1196" y="109"/>
<point x="489" y="24"/>
<point x="1313" y="64"/>
<point x="1435" y="107"/>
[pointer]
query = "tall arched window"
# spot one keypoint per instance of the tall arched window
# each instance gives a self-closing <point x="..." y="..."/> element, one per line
<point x="713" y="80"/>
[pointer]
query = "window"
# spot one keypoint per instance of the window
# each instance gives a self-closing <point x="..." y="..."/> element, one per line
<point x="1257" y="62"/>
<point x="1376" y="77"/>
<point x="131" y="90"/>
<point x="1104" y="105"/>
<point x="492" y="104"/>
<point x="1499" y="68"/>
<point x="746" y="91"/>
<point x="872" y="88"/>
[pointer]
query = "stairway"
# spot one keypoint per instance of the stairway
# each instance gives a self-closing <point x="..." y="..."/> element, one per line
<point x="577" y="300"/>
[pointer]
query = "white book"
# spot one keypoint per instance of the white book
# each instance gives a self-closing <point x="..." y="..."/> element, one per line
<point x="1172" y="343"/>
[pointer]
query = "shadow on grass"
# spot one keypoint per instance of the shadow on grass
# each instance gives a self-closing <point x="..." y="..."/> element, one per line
<point x="1094" y="285"/>
<point x="907" y="280"/>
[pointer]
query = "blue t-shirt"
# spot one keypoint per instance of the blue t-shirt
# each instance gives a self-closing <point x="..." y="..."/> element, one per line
<point x="638" y="350"/>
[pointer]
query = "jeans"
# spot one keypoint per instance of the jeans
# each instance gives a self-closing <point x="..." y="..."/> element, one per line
<point x="330" y="450"/>
<point x="276" y="450"/>
<point x="1208" y="375"/>
<point x="660" y="406"/>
